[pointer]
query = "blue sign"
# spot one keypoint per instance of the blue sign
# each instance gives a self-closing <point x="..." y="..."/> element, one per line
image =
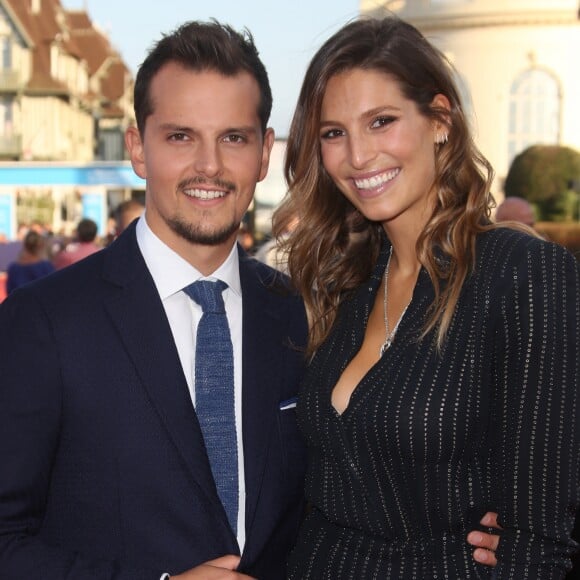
<point x="95" y="208"/>
<point x="110" y="174"/>
<point x="7" y="209"/>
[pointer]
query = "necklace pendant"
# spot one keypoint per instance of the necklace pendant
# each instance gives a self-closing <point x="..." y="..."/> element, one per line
<point x="385" y="346"/>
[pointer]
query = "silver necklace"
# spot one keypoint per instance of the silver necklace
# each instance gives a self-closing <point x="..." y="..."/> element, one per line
<point x="389" y="336"/>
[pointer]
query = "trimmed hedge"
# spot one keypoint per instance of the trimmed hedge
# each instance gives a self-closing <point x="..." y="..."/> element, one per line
<point x="566" y="234"/>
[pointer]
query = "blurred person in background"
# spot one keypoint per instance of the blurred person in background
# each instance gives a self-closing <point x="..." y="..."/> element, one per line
<point x="515" y="209"/>
<point x="82" y="246"/>
<point x="125" y="213"/>
<point x="246" y="238"/>
<point x="272" y="251"/>
<point x="32" y="262"/>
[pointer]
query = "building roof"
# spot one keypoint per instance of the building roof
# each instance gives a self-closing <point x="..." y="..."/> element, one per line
<point x="44" y="23"/>
<point x="105" y="65"/>
<point x="93" y="45"/>
<point x="43" y="28"/>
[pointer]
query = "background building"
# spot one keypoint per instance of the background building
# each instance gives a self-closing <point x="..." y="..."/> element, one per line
<point x="517" y="65"/>
<point x="66" y="97"/>
<point x="65" y="93"/>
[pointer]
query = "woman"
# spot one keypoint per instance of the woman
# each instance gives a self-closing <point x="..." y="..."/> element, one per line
<point x="444" y="369"/>
<point x="31" y="264"/>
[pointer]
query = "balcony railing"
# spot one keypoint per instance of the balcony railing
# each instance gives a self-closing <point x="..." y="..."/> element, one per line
<point x="10" y="80"/>
<point x="10" y="146"/>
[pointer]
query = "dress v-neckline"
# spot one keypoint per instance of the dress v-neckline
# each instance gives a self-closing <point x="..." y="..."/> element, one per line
<point x="356" y="388"/>
<point x="365" y="298"/>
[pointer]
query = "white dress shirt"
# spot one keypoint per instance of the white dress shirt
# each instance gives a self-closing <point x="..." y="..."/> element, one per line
<point x="171" y="273"/>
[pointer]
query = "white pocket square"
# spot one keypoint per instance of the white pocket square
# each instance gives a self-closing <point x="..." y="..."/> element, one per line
<point x="288" y="404"/>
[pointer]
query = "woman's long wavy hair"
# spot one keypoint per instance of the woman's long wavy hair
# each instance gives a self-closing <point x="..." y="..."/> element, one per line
<point x="333" y="248"/>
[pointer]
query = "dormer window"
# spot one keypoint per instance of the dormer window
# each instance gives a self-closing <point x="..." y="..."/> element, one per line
<point x="5" y="53"/>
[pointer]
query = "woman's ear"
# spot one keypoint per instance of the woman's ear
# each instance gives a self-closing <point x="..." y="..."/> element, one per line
<point x="440" y="101"/>
<point x="441" y="130"/>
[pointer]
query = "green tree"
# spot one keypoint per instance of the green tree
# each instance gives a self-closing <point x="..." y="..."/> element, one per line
<point x="543" y="174"/>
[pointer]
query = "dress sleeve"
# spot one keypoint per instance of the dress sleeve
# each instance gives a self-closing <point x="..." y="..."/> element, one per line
<point x="535" y="464"/>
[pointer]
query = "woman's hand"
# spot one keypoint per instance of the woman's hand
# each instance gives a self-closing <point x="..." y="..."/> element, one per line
<point x="486" y="544"/>
<point x="219" y="569"/>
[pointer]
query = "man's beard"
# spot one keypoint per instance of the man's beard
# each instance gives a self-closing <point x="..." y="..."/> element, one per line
<point x="196" y="235"/>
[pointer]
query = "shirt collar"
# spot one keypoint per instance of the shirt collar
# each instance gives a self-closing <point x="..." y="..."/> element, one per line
<point x="171" y="273"/>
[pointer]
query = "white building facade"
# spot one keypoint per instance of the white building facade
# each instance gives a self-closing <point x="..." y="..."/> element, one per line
<point x="518" y="64"/>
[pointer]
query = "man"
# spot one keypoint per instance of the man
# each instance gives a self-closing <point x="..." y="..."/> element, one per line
<point x="104" y="469"/>
<point x="83" y="246"/>
<point x="515" y="209"/>
<point x="106" y="466"/>
<point x="126" y="212"/>
<point x="271" y="252"/>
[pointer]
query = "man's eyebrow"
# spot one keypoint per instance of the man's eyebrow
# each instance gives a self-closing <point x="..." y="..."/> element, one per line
<point x="174" y="127"/>
<point x="241" y="129"/>
<point x="248" y="129"/>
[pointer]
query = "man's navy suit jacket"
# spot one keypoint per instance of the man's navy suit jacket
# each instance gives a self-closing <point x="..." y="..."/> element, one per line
<point x="103" y="470"/>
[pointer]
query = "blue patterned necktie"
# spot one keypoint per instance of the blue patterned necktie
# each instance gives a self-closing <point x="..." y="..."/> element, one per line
<point x="214" y="391"/>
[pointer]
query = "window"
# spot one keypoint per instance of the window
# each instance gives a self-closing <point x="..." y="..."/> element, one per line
<point x="6" y="117"/>
<point x="6" y="50"/>
<point x="534" y="111"/>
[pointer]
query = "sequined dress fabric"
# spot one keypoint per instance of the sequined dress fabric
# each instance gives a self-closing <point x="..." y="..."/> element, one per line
<point x="431" y="442"/>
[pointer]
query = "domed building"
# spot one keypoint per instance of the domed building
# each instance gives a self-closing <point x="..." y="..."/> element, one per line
<point x="517" y="63"/>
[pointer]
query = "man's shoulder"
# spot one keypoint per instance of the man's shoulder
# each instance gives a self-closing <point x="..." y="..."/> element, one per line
<point x="263" y="276"/>
<point x="76" y="279"/>
<point x="269" y="290"/>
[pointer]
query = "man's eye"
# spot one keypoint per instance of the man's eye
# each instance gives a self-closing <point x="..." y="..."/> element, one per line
<point x="235" y="138"/>
<point x="177" y="137"/>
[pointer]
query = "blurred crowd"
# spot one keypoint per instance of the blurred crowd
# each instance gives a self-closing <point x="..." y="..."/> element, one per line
<point x="38" y="251"/>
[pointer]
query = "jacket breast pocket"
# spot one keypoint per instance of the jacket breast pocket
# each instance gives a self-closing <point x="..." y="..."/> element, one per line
<point x="291" y="442"/>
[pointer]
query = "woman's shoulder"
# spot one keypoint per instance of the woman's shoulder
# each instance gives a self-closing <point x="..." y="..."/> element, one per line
<point x="45" y="266"/>
<point x="504" y="236"/>
<point x="503" y="249"/>
<point x="505" y="243"/>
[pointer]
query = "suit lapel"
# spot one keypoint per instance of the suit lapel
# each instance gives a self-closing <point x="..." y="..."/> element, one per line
<point x="138" y="314"/>
<point x="262" y="361"/>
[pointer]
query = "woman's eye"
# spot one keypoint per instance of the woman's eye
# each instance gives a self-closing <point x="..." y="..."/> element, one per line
<point x="382" y="122"/>
<point x="331" y="134"/>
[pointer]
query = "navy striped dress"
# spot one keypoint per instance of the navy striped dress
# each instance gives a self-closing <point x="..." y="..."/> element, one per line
<point x="430" y="442"/>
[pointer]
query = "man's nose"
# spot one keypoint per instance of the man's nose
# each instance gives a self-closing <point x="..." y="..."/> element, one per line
<point x="207" y="160"/>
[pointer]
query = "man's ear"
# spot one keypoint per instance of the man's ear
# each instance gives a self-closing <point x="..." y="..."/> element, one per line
<point x="134" y="145"/>
<point x="266" y="150"/>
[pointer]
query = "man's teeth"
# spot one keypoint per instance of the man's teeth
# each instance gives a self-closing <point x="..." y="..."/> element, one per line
<point x="376" y="180"/>
<point x="204" y="193"/>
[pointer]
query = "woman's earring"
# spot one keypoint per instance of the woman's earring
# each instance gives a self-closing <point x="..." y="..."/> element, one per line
<point x="441" y="138"/>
